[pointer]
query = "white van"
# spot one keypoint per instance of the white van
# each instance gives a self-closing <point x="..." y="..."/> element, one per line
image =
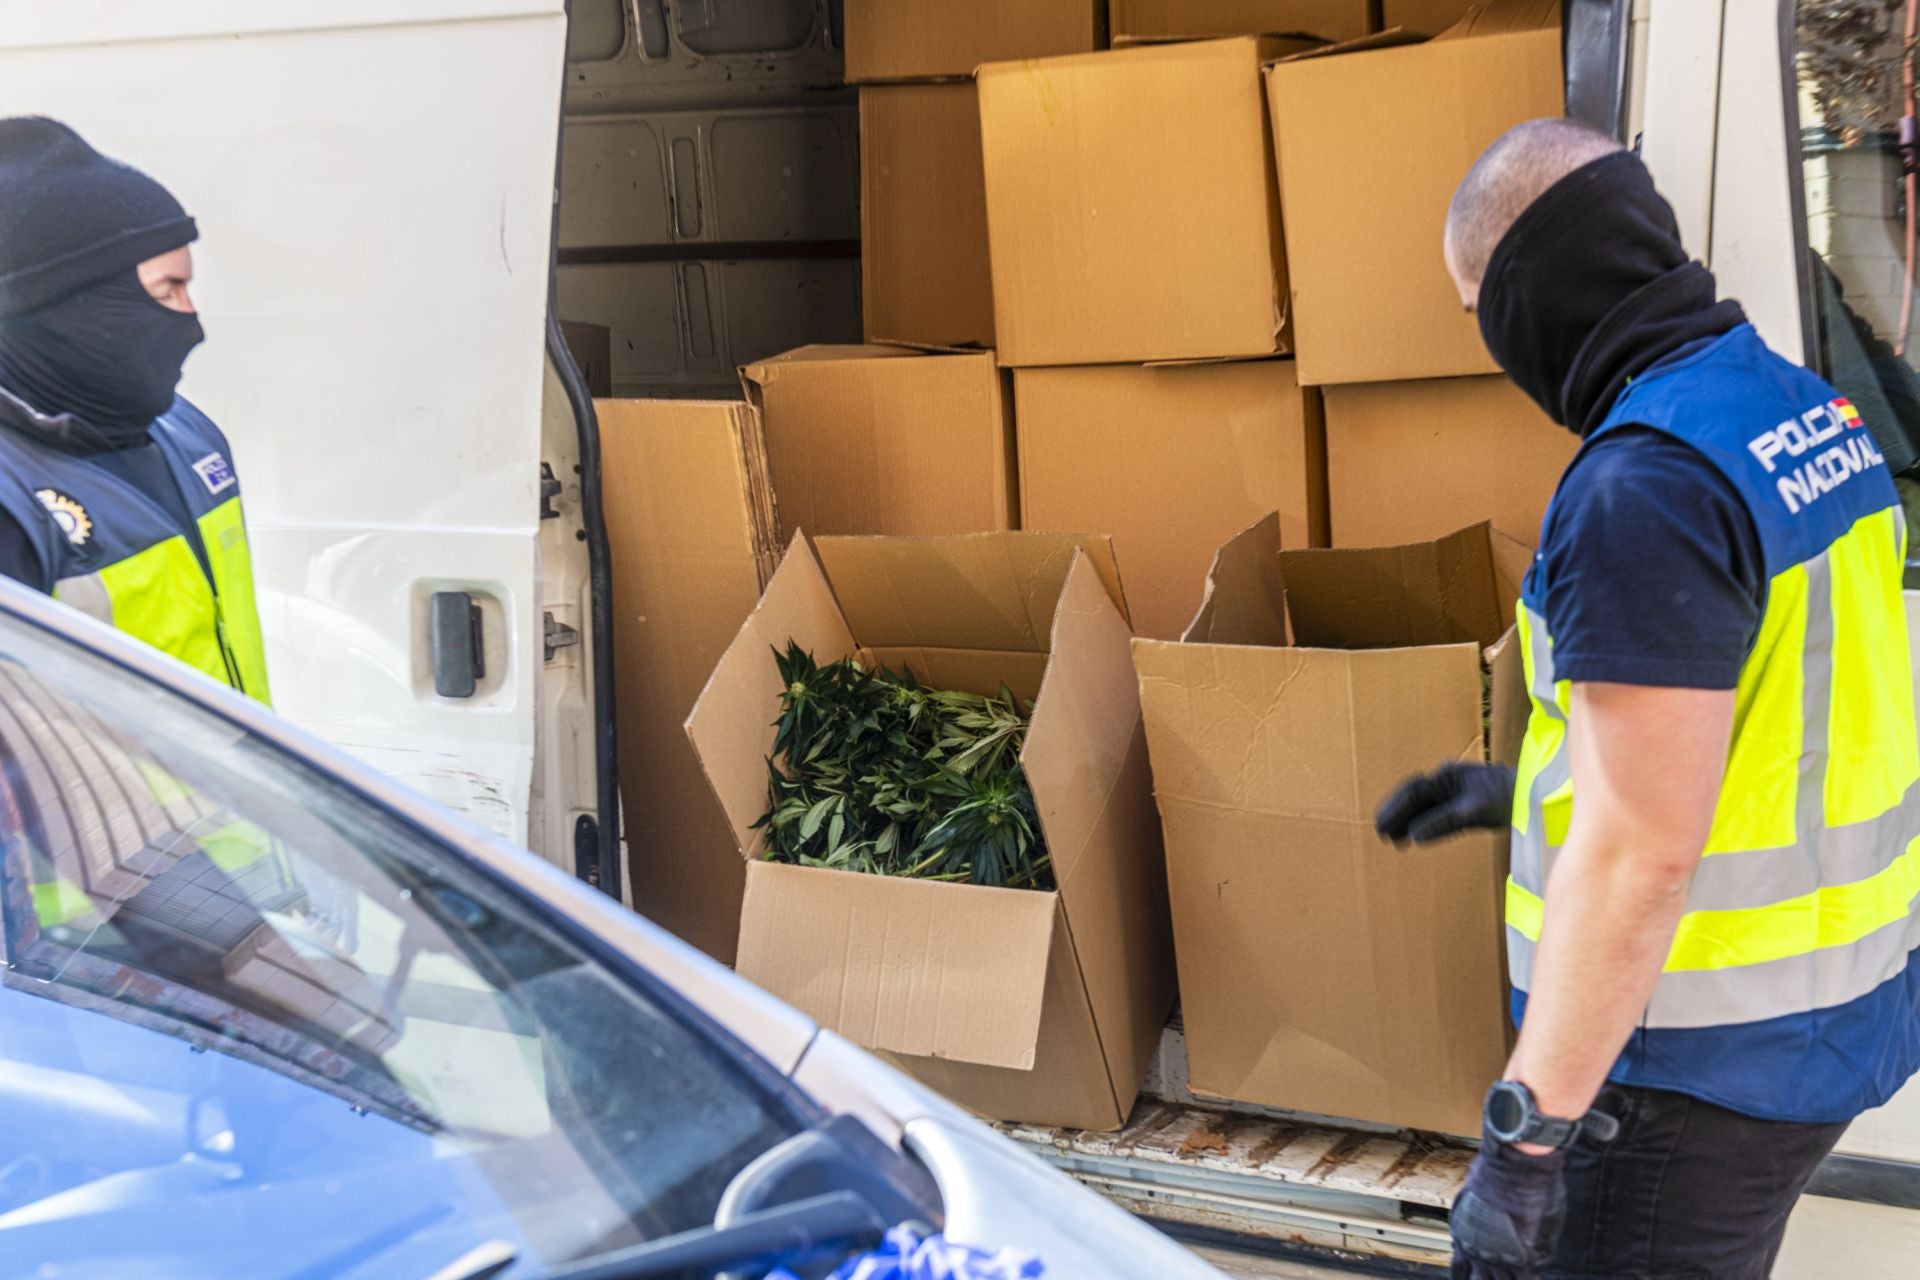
<point x="385" y="232"/>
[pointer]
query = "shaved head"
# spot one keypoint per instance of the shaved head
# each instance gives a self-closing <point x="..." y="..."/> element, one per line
<point x="1510" y="175"/>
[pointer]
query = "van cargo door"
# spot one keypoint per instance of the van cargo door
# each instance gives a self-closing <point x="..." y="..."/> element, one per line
<point x="373" y="182"/>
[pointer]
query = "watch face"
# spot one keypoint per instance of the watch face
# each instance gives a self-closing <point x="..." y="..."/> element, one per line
<point x="1506" y="1112"/>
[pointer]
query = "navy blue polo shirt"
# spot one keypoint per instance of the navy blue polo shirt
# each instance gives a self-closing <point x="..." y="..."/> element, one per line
<point x="1656" y="571"/>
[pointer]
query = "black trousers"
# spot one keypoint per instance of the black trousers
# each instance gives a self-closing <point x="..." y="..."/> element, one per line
<point x="1687" y="1191"/>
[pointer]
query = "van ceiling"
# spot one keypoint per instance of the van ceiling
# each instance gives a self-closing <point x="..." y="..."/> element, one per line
<point x="709" y="207"/>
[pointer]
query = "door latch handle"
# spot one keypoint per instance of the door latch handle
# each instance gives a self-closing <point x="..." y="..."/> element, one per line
<point x="454" y="638"/>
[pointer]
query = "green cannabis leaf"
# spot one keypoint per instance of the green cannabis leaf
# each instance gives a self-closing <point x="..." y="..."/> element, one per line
<point x="871" y="772"/>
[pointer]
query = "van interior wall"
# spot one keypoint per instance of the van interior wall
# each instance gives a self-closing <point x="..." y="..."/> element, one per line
<point x="709" y="207"/>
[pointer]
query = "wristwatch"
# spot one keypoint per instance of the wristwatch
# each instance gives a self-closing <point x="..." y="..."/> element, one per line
<point x="1512" y="1117"/>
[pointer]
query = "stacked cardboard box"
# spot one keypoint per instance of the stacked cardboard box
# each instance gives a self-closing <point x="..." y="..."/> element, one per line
<point x="923" y="230"/>
<point x="885" y="440"/>
<point x="1169" y="462"/>
<point x="691" y="529"/>
<point x="1152" y="21"/>
<point x="1132" y="245"/>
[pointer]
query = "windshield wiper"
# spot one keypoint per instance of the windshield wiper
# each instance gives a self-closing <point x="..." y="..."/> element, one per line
<point x="838" y="1222"/>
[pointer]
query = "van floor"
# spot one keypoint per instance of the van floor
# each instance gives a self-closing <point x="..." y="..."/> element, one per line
<point x="1828" y="1240"/>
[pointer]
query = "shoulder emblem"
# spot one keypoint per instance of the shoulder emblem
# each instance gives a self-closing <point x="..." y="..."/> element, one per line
<point x="68" y="514"/>
<point x="215" y="472"/>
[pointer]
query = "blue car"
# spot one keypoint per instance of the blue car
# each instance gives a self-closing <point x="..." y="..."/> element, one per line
<point x="265" y="1014"/>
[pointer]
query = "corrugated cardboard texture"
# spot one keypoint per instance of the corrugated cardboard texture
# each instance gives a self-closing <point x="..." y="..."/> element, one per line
<point x="1139" y="20"/>
<point x="1412" y="460"/>
<point x="933" y="39"/>
<point x="1053" y="1000"/>
<point x="923" y="216"/>
<point x="1170" y="462"/>
<point x="1059" y="1088"/>
<point x="1429" y="17"/>
<point x="874" y="440"/>
<point x="1371" y="147"/>
<point x="1493" y="17"/>
<point x="1131" y="206"/>
<point x="1246" y="597"/>
<point x="1376" y="973"/>
<point x="1425" y="593"/>
<point x="910" y="966"/>
<point x="983" y="592"/>
<point x="681" y="520"/>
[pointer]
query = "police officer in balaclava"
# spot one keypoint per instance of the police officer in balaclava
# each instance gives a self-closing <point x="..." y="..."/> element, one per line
<point x="117" y="497"/>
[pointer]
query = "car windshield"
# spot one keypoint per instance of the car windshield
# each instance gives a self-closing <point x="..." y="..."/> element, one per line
<point x="252" y="1024"/>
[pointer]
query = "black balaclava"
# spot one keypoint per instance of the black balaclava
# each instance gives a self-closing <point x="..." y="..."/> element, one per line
<point x="107" y="354"/>
<point x="81" y="342"/>
<point x="1590" y="287"/>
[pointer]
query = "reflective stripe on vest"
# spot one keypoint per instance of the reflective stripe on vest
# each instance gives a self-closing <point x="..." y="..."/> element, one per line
<point x="123" y="559"/>
<point x="1789" y="990"/>
<point x="1753" y="907"/>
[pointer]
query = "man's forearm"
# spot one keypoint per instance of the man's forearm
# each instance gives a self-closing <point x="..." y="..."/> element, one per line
<point x="1609" y="922"/>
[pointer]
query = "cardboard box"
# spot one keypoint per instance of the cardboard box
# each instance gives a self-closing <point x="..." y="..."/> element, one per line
<point x="592" y="348"/>
<point x="938" y="39"/>
<point x="884" y="441"/>
<point x="1023" y="1005"/>
<point x="690" y="527"/>
<point x="1428" y="17"/>
<point x="1143" y="21"/>
<point x="1322" y="970"/>
<point x="923" y="216"/>
<point x="1131" y="206"/>
<point x="1371" y="147"/>
<point x="1412" y="460"/>
<point x="1169" y="462"/>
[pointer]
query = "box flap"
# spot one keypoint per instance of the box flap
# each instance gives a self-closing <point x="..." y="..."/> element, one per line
<point x="1245" y="601"/>
<point x="732" y="721"/>
<point x="1086" y="757"/>
<point x="1509" y="709"/>
<point x="763" y="372"/>
<point x="1277" y="45"/>
<point x="1441" y="592"/>
<point x="986" y="591"/>
<point x="1499" y="17"/>
<point x="1083" y="719"/>
<point x="1392" y="39"/>
<point x="903" y="965"/>
<point x="1511" y="560"/>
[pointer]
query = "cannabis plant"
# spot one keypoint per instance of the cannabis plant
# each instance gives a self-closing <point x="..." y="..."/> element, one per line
<point x="871" y="772"/>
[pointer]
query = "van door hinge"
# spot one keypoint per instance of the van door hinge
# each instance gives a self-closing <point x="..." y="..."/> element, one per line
<point x="559" y="636"/>
<point x="550" y="488"/>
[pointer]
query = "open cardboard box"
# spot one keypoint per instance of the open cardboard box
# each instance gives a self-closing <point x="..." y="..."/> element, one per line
<point x="1022" y="1005"/>
<point x="1322" y="970"/>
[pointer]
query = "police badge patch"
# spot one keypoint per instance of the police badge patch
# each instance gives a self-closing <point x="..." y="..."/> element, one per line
<point x="215" y="472"/>
<point x="68" y="514"/>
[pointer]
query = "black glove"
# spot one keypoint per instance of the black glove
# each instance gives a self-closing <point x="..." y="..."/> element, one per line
<point x="1507" y="1218"/>
<point x="1454" y="797"/>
